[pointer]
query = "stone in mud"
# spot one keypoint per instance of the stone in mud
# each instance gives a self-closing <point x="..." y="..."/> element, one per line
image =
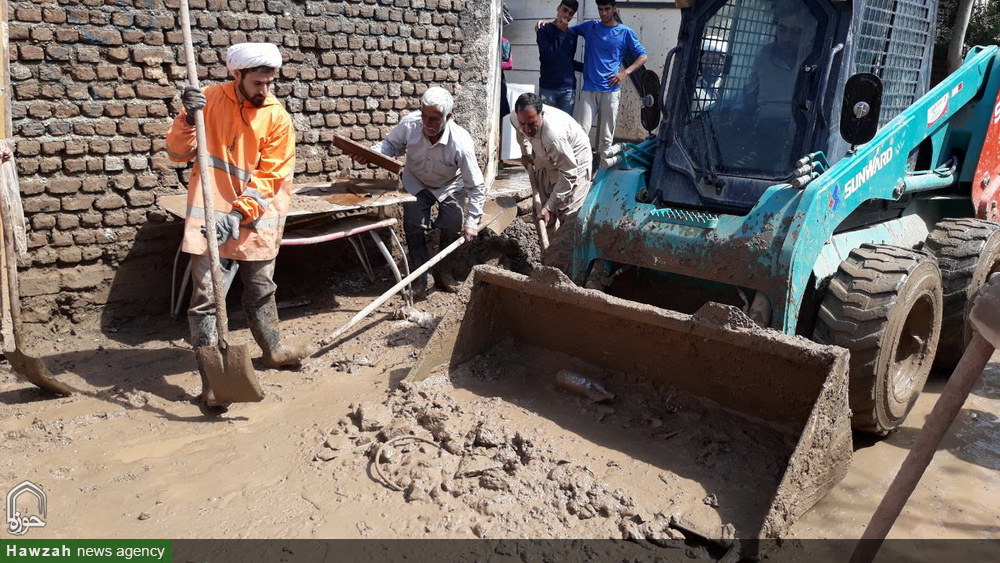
<point x="337" y="442"/>
<point x="475" y="465"/>
<point x="370" y="418"/>
<point x="326" y="455"/>
<point x="494" y="480"/>
<point x="488" y="437"/>
<point x="394" y="429"/>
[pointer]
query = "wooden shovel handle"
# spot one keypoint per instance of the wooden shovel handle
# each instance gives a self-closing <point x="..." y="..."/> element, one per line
<point x="207" y="184"/>
<point x="955" y="392"/>
<point x="536" y="202"/>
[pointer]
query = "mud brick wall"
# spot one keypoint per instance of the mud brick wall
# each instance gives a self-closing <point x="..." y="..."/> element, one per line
<point x="94" y="86"/>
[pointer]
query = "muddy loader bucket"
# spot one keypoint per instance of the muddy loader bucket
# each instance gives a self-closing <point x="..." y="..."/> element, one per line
<point x="751" y="427"/>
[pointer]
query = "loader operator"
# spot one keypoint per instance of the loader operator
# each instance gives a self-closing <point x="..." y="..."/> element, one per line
<point x="559" y="149"/>
<point x="440" y="168"/>
<point x="251" y="147"/>
<point x="769" y="91"/>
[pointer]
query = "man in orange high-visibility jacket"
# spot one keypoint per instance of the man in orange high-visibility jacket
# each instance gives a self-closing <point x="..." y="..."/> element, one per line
<point x="251" y="147"/>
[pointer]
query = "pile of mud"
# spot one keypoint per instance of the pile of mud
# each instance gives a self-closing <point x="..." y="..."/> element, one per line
<point x="516" y="248"/>
<point x="468" y="458"/>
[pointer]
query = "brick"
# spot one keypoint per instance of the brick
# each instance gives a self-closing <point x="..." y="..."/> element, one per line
<point x="109" y="201"/>
<point x="137" y="198"/>
<point x="60" y="238"/>
<point x="67" y="222"/>
<point x="59" y="186"/>
<point x="101" y="36"/>
<point x="35" y="282"/>
<point x="78" y="203"/>
<point x="43" y="222"/>
<point x="30" y="53"/>
<point x="83" y="277"/>
<point x="40" y="204"/>
<point x="69" y="255"/>
<point x="93" y="184"/>
<point x="28" y="14"/>
<point x="111" y="164"/>
<point x="115" y="218"/>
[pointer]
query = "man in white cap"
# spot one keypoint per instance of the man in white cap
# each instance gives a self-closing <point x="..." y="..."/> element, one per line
<point x="251" y="147"/>
<point x="711" y="64"/>
<point x="441" y="168"/>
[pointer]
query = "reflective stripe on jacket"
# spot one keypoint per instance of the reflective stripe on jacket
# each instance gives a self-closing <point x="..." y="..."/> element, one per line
<point x="252" y="158"/>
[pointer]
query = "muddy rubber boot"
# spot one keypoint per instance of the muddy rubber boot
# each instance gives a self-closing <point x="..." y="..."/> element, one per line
<point x="263" y="323"/>
<point x="443" y="278"/>
<point x="204" y="333"/>
<point x="418" y="289"/>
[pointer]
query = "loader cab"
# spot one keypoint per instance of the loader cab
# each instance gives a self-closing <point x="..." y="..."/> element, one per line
<point x="757" y="84"/>
<point x="743" y="98"/>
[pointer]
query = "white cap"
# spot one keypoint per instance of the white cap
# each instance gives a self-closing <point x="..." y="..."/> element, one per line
<point x="252" y="55"/>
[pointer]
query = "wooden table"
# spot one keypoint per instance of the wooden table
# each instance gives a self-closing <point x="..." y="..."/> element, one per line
<point x="318" y="213"/>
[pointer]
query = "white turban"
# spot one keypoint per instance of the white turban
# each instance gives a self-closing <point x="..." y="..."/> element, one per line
<point x="252" y="55"/>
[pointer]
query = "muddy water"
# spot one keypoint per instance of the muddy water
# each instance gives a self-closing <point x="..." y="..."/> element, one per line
<point x="957" y="497"/>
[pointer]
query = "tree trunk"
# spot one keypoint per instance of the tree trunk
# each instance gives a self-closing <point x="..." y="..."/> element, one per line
<point x="963" y="13"/>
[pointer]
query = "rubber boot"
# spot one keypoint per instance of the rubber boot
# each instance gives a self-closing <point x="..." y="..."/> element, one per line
<point x="443" y="278"/>
<point x="204" y="333"/>
<point x="263" y="323"/>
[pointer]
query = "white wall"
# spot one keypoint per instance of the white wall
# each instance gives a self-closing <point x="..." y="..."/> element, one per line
<point x="656" y="27"/>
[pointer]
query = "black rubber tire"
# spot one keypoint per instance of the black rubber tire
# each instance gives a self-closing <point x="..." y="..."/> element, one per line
<point x="967" y="251"/>
<point x="879" y="293"/>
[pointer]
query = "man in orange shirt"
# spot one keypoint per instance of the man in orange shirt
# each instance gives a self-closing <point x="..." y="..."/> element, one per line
<point x="251" y="146"/>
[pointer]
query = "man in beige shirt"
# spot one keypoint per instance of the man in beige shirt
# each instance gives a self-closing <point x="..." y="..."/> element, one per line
<point x="559" y="149"/>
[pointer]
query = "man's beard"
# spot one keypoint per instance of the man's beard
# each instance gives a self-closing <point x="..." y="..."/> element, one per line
<point x="257" y="101"/>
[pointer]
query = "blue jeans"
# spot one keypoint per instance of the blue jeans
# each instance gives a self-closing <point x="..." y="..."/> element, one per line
<point x="562" y="99"/>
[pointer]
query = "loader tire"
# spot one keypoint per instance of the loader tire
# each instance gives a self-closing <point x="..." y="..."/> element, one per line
<point x="884" y="305"/>
<point x="967" y="251"/>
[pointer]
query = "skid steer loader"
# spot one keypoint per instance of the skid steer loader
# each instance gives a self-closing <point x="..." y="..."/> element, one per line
<point x="790" y="252"/>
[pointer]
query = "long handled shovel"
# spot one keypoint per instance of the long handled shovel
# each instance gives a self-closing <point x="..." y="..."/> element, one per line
<point x="230" y="373"/>
<point x="498" y="214"/>
<point x="28" y="367"/>
<point x="536" y="202"/>
<point x="955" y="392"/>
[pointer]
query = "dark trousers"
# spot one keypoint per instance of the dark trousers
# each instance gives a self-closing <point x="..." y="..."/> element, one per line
<point x="417" y="223"/>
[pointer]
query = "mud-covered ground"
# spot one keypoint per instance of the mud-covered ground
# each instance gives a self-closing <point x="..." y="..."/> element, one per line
<point x="132" y="455"/>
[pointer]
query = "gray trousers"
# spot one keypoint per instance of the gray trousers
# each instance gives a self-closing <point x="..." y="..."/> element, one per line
<point x="258" y="284"/>
<point x="417" y="222"/>
<point x="605" y="106"/>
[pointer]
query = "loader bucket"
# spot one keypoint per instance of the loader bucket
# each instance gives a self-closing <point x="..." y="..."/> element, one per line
<point x="754" y="425"/>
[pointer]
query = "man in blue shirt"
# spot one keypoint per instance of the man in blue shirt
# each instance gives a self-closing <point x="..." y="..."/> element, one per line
<point x="609" y="44"/>
<point x="556" y="49"/>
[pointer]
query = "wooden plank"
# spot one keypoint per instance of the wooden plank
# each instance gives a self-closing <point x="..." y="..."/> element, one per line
<point x="342" y="195"/>
<point x="354" y="148"/>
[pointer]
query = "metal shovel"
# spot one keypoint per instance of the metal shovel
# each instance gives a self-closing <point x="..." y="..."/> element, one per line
<point x="28" y="367"/>
<point x="498" y="214"/>
<point x="227" y="367"/>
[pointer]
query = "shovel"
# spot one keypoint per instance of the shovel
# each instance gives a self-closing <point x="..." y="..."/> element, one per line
<point x="956" y="391"/>
<point x="497" y="216"/>
<point x="536" y="202"/>
<point x="227" y="367"/>
<point x="28" y="367"/>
